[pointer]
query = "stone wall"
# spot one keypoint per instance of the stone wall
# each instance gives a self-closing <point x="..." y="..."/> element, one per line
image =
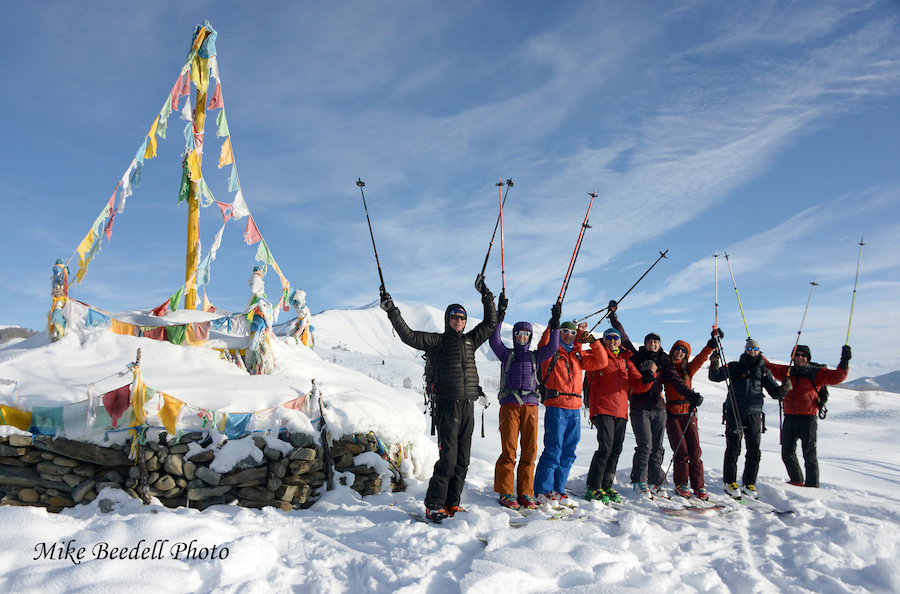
<point x="60" y="473"/>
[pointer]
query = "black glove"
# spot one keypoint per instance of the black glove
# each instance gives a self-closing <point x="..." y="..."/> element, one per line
<point x="845" y="357"/>
<point x="613" y="319"/>
<point x="713" y="343"/>
<point x="387" y="304"/>
<point x="695" y="400"/>
<point x="502" y="302"/>
<point x="555" y="315"/>
<point x="479" y="284"/>
<point x="612" y="306"/>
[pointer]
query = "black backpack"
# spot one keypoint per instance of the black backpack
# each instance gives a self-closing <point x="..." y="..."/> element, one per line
<point x="432" y="382"/>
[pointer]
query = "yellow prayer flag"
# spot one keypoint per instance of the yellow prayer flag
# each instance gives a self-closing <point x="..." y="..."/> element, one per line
<point x="138" y="395"/>
<point x="227" y="156"/>
<point x="284" y="282"/>
<point x="168" y="414"/>
<point x="200" y="76"/>
<point x="194" y="165"/>
<point x="20" y="419"/>
<point x="151" y="146"/>
<point x="85" y="246"/>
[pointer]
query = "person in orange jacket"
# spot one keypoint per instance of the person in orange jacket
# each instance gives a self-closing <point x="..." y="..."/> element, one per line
<point x="562" y="383"/>
<point x="681" y="420"/>
<point x="801" y="409"/>
<point x="608" y="390"/>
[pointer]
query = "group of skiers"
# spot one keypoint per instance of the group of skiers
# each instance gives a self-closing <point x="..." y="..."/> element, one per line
<point x="571" y="368"/>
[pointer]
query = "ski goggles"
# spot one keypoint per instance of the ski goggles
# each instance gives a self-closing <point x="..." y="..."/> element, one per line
<point x="522" y="333"/>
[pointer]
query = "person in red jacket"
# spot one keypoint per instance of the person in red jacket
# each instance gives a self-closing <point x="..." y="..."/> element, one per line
<point x="563" y="378"/>
<point x="801" y="409"/>
<point x="608" y="390"/>
<point x="681" y="421"/>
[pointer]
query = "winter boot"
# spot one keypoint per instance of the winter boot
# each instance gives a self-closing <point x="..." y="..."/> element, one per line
<point x="436" y="515"/>
<point x="509" y="501"/>
<point x="527" y="502"/>
<point x="565" y="501"/>
<point x="750" y="491"/>
<point x="733" y="490"/>
<point x="455" y="509"/>
<point x="596" y="495"/>
<point x="613" y="495"/>
<point x="546" y="499"/>
<point x="683" y="490"/>
<point x="659" y="491"/>
<point x="701" y="494"/>
<point x="642" y="489"/>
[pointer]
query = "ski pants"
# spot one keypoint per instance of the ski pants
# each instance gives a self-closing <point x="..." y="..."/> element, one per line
<point x="649" y="428"/>
<point x="752" y="430"/>
<point x="515" y="421"/>
<point x="455" y="420"/>
<point x="562" y="431"/>
<point x="610" y="437"/>
<point x="802" y="427"/>
<point x="686" y="462"/>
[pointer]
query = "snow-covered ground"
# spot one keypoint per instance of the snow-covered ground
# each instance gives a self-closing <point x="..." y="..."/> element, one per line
<point x="844" y="537"/>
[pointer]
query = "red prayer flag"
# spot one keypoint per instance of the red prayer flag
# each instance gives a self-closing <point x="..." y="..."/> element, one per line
<point x="216" y="101"/>
<point x="117" y="402"/>
<point x="176" y="93"/>
<point x="251" y="233"/>
<point x="227" y="210"/>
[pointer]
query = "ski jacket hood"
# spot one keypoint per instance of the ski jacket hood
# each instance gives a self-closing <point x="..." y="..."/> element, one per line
<point x="447" y="311"/>
<point x="675" y="402"/>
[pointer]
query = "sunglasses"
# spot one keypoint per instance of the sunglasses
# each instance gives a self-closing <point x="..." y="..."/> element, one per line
<point x="568" y="331"/>
<point x="678" y="348"/>
<point x="457" y="317"/>
<point x="611" y="337"/>
<point x="523" y="333"/>
<point x="804" y="355"/>
<point x="752" y="349"/>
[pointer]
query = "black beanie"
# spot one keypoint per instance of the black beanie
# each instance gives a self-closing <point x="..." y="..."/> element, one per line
<point x="652" y="336"/>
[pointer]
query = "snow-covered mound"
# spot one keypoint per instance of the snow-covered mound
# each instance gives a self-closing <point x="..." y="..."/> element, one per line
<point x="41" y="373"/>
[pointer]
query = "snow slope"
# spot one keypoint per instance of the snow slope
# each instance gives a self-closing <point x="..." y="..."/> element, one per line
<point x="844" y="537"/>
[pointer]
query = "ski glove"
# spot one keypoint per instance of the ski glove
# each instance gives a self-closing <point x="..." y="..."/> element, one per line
<point x="479" y="284"/>
<point x="612" y="307"/>
<point x="786" y="387"/>
<point x="695" y="399"/>
<point x="845" y="357"/>
<point x="387" y="304"/>
<point x="714" y="362"/>
<point x="713" y="343"/>
<point x="502" y="303"/>
<point x="555" y="315"/>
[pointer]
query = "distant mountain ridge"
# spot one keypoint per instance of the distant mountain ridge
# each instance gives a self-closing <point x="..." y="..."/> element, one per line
<point x="889" y="382"/>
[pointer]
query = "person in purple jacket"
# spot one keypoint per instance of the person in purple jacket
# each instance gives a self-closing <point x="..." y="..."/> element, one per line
<point x="519" y="399"/>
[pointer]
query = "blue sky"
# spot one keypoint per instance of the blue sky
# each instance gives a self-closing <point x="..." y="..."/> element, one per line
<point x="767" y="130"/>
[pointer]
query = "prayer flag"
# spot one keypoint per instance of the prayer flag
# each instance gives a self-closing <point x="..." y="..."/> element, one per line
<point x="251" y="233"/>
<point x="216" y="101"/>
<point x="226" y="157"/>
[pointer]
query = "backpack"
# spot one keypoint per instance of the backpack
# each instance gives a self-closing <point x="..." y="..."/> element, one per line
<point x="821" y="394"/>
<point x="547" y="393"/>
<point x="432" y="382"/>
<point x="503" y="371"/>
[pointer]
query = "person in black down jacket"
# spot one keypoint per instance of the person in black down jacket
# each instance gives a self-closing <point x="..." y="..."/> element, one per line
<point x="744" y="413"/>
<point x="455" y="390"/>
<point x="648" y="410"/>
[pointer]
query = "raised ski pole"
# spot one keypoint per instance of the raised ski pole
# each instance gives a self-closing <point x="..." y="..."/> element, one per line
<point x="794" y="352"/>
<point x="728" y="382"/>
<point x="584" y="225"/>
<point x="661" y="256"/>
<point x="361" y="183"/>
<point x="502" y="256"/>
<point x="852" y="303"/>
<point x="740" y="306"/>
<point x="509" y="184"/>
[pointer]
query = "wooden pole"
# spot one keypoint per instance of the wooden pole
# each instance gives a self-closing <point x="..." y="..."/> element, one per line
<point x="193" y="229"/>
